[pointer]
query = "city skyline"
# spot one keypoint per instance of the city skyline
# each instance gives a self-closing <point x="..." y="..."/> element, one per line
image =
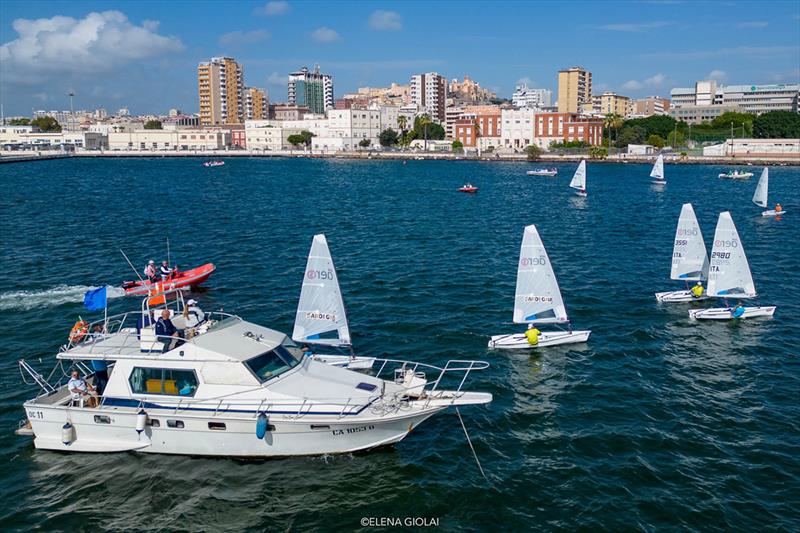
<point x="144" y="56"/>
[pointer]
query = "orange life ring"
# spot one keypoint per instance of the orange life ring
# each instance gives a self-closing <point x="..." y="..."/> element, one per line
<point x="78" y="331"/>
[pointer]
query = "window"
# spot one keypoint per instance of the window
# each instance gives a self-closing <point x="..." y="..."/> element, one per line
<point x="217" y="426"/>
<point x="175" y="424"/>
<point x="153" y="422"/>
<point x="270" y="364"/>
<point x="167" y="381"/>
<point x="102" y="419"/>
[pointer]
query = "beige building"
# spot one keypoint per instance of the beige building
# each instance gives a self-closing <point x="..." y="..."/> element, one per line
<point x="469" y="90"/>
<point x="256" y="104"/>
<point x="574" y="89"/>
<point x="651" y="105"/>
<point x="613" y="103"/>
<point x="220" y="84"/>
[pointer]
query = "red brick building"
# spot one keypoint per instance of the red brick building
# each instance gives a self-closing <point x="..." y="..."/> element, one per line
<point x="471" y="127"/>
<point x="566" y="127"/>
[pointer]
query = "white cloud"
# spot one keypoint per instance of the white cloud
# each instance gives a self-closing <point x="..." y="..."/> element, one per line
<point x="243" y="37"/>
<point x="99" y="42"/>
<point x="718" y="75"/>
<point x="381" y="20"/>
<point x="526" y="80"/>
<point x="636" y="27"/>
<point x="654" y="81"/>
<point x="270" y="9"/>
<point x="325" y="35"/>
<point x="766" y="52"/>
<point x="277" y="79"/>
<point x="753" y="24"/>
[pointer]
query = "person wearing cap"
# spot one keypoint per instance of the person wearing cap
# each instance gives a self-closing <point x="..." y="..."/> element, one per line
<point x="165" y="271"/>
<point x="698" y="290"/>
<point x="150" y="271"/>
<point x="193" y="314"/>
<point x="532" y="335"/>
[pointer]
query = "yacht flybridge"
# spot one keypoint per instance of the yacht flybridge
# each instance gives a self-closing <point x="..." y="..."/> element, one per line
<point x="233" y="388"/>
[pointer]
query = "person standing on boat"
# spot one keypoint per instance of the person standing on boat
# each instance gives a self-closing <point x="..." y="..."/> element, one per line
<point x="738" y="311"/>
<point x="150" y="271"/>
<point x="533" y="335"/>
<point x="165" y="271"/>
<point x="193" y="314"/>
<point x="167" y="333"/>
<point x="100" y="375"/>
<point x="698" y="290"/>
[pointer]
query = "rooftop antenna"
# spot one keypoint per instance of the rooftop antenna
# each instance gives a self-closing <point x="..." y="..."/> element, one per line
<point x="71" y="95"/>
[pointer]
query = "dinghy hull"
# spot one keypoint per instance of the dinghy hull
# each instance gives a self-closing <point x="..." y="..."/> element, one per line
<point x="726" y="313"/>
<point x="773" y="213"/>
<point x="346" y="361"/>
<point x="518" y="341"/>
<point x="675" y="297"/>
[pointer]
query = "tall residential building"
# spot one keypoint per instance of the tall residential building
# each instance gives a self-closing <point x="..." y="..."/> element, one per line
<point x="574" y="89"/>
<point x="311" y="89"/>
<point x="429" y="94"/>
<point x="747" y="98"/>
<point x="220" y="84"/>
<point x="525" y="97"/>
<point x="256" y="104"/>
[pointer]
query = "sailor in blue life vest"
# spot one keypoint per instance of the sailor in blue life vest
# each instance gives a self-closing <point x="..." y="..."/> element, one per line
<point x="306" y="351"/>
<point x="738" y="311"/>
<point x="150" y="271"/>
<point x="697" y="290"/>
<point x="167" y="333"/>
<point x="165" y="271"/>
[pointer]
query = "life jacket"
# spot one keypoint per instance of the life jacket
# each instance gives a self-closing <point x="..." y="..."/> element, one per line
<point x="78" y="331"/>
<point x="533" y="336"/>
<point x="697" y="291"/>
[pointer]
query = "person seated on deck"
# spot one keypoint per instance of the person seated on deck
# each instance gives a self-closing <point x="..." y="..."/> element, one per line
<point x="698" y="290"/>
<point x="738" y="311"/>
<point x="533" y="335"/>
<point x="778" y="208"/>
<point x="165" y="271"/>
<point x="306" y="351"/>
<point x="80" y="390"/>
<point x="193" y="315"/>
<point x="167" y="333"/>
<point x="150" y="272"/>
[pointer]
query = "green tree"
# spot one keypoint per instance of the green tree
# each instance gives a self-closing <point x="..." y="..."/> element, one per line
<point x="458" y="147"/>
<point x="598" y="152"/>
<point x="533" y="152"/>
<point x="612" y="121"/>
<point x="19" y="121"/>
<point x="402" y="123"/>
<point x="630" y="135"/>
<point x="388" y="137"/>
<point x="777" y="125"/>
<point x="659" y="125"/>
<point x="676" y="139"/>
<point x="307" y="136"/>
<point x="46" y="124"/>
<point x="364" y="143"/>
<point x="725" y="120"/>
<point x="153" y="125"/>
<point x="656" y="140"/>
<point x="296" y="140"/>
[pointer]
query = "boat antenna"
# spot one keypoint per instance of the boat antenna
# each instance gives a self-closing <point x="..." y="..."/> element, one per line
<point x="131" y="265"/>
<point x="471" y="447"/>
<point x="169" y="262"/>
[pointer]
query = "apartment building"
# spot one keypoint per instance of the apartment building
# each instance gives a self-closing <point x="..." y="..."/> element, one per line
<point x="311" y="89"/>
<point x="256" y="104"/>
<point x="220" y="84"/>
<point x="650" y="105"/>
<point x="574" y="89"/>
<point x="523" y="96"/>
<point x="429" y="94"/>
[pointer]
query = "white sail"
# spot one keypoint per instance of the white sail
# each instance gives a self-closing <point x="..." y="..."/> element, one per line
<point x="537" y="298"/>
<point x="579" y="179"/>
<point x="689" y="256"/>
<point x="729" y="275"/>
<point x="658" y="168"/>
<point x="321" y="317"/>
<point x="762" y="189"/>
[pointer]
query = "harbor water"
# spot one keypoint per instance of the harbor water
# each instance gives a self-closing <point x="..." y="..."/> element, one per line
<point x="657" y="423"/>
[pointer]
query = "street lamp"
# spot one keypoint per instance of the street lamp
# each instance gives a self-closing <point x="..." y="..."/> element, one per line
<point x="71" y="111"/>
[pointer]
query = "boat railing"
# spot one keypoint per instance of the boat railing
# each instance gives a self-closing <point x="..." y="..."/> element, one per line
<point x="453" y="368"/>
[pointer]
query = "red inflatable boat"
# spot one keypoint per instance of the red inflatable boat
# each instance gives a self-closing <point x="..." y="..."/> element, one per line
<point x="184" y="278"/>
<point x="469" y="188"/>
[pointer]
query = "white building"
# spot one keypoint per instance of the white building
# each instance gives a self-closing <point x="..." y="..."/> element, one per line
<point x="516" y="130"/>
<point x="185" y="139"/>
<point x="429" y="94"/>
<point x="351" y="126"/>
<point x="264" y="135"/>
<point x="25" y="138"/>
<point x="747" y="98"/>
<point x="525" y="97"/>
<point x="778" y="148"/>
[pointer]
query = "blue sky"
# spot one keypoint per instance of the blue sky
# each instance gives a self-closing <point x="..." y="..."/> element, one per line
<point x="144" y="54"/>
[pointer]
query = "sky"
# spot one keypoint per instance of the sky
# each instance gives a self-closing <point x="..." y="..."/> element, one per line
<point x="143" y="55"/>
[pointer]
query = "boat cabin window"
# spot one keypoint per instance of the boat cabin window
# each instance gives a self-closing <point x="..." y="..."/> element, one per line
<point x="167" y="381"/>
<point x="272" y="363"/>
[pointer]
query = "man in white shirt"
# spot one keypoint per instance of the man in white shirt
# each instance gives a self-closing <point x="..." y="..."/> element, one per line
<point x="193" y="314"/>
<point x="81" y="390"/>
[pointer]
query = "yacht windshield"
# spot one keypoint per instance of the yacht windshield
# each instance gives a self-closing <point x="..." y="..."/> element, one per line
<point x="272" y="363"/>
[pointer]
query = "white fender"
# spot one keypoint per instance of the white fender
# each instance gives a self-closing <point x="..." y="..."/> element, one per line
<point x="141" y="420"/>
<point x="67" y="433"/>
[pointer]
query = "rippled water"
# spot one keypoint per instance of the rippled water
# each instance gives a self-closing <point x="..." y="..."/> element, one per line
<point x="656" y="423"/>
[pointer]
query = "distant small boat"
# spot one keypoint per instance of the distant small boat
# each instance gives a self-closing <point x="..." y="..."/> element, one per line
<point x="213" y="163"/>
<point x="543" y="172"/>
<point x="468" y="188"/>
<point x="658" y="171"/>
<point x="760" y="196"/>
<point x="579" y="179"/>
<point x="735" y="174"/>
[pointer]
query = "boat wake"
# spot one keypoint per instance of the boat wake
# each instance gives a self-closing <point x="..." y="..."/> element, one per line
<point x="55" y="296"/>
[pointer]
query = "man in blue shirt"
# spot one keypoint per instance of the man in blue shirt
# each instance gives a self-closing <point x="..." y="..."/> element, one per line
<point x="738" y="311"/>
<point x="100" y="375"/>
<point x="167" y="333"/>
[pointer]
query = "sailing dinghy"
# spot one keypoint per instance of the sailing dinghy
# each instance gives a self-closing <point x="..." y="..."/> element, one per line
<point x="729" y="275"/>
<point x="579" y="179"/>
<point x="537" y="299"/>
<point x="658" y="171"/>
<point x="689" y="258"/>
<point x="321" y="318"/>
<point x="760" y="196"/>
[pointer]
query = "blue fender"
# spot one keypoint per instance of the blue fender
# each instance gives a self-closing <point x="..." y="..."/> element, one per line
<point x="261" y="426"/>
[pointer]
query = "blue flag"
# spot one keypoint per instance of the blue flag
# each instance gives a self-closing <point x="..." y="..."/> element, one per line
<point x="95" y="299"/>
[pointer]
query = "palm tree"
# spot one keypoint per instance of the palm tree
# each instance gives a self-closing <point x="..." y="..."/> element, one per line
<point x="402" y="122"/>
<point x="424" y="120"/>
<point x="612" y="120"/>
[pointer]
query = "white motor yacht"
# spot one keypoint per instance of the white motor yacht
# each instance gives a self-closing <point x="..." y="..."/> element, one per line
<point x="233" y="388"/>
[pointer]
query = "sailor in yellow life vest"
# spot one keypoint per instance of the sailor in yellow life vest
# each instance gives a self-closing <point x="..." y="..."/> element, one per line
<point x="533" y="335"/>
<point x="698" y="290"/>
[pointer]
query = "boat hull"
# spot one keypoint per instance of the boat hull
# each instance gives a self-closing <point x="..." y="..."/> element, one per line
<point x="726" y="313"/>
<point x="743" y="176"/>
<point x="287" y="435"/>
<point x="773" y="213"/>
<point x="518" y="341"/>
<point x="188" y="278"/>
<point x="672" y="297"/>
